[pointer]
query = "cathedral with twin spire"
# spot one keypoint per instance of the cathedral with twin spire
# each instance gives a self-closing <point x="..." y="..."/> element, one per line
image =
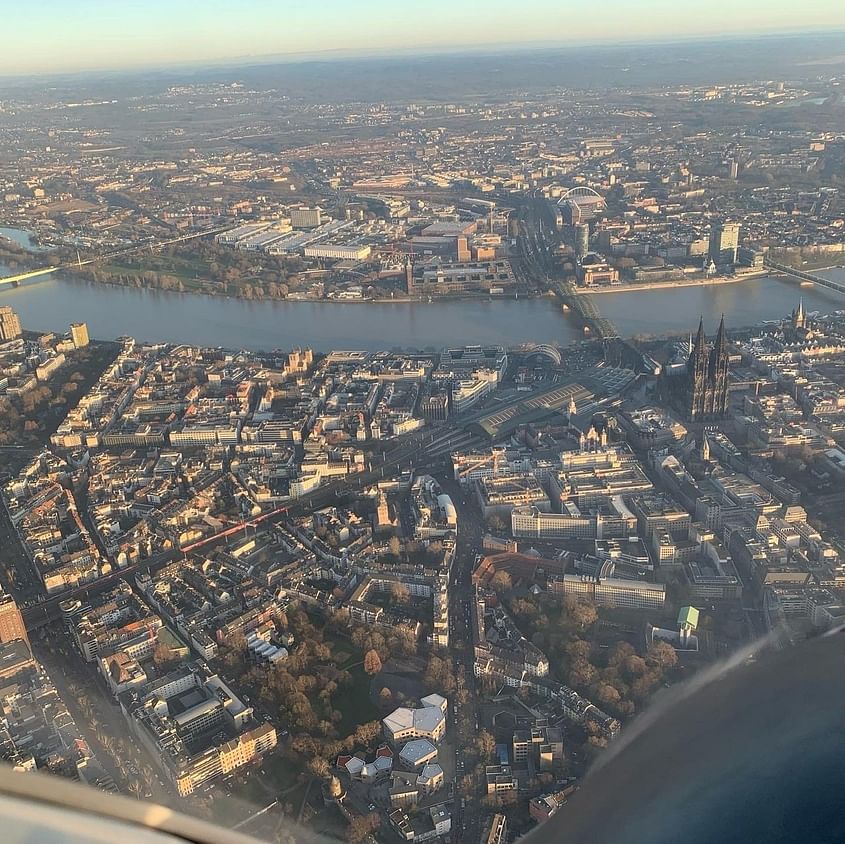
<point x="706" y="395"/>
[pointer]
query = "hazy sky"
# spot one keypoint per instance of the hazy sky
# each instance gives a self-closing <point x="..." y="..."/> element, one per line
<point x="48" y="35"/>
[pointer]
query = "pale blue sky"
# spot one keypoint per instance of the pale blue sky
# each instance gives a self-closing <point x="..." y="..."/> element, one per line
<point x="48" y="35"/>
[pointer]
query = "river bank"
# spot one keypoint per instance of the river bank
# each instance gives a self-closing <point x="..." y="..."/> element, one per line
<point x="674" y="284"/>
<point x="168" y="316"/>
<point x="404" y="299"/>
<point x="165" y="316"/>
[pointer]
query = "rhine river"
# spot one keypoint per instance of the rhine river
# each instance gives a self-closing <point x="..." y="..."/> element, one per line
<point x="110" y="312"/>
<point x="21" y="237"/>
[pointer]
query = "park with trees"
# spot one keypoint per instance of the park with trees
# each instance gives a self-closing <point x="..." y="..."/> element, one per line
<point x="30" y="419"/>
<point x="616" y="677"/>
<point x="327" y="691"/>
<point x="203" y="266"/>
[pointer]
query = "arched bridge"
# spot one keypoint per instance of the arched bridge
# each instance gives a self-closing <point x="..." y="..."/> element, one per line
<point x="580" y="191"/>
<point x="580" y="196"/>
<point x="837" y="286"/>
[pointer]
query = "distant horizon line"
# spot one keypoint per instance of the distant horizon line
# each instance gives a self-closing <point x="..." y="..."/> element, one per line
<point x="422" y="51"/>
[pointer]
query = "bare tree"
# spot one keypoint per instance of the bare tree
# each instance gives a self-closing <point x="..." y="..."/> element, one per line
<point x="501" y="581"/>
<point x="361" y="827"/>
<point x="399" y="592"/>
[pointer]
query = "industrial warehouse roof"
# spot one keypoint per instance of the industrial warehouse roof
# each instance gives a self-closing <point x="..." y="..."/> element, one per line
<point x="502" y="421"/>
<point x="596" y="381"/>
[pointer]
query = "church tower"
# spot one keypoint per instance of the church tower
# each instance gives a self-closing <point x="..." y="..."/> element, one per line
<point x="697" y="372"/>
<point x="410" y="284"/>
<point x="707" y="376"/>
<point x="718" y="373"/>
<point x="799" y="316"/>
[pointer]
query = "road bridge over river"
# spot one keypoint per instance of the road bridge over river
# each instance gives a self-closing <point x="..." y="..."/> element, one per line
<point x="78" y="263"/>
<point x="836" y="286"/>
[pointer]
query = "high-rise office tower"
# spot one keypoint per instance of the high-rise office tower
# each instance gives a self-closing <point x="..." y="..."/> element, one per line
<point x="582" y="240"/>
<point x="724" y="241"/>
<point x="10" y="324"/>
<point x="306" y="218"/>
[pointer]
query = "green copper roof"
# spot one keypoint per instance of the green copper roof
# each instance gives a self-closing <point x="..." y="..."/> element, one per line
<point x="688" y="616"/>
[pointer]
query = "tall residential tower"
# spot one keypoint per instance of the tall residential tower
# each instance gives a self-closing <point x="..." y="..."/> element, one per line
<point x="724" y="242"/>
<point x="10" y="324"/>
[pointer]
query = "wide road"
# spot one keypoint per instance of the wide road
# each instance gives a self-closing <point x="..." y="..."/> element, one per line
<point x="127" y="761"/>
<point x="470" y="532"/>
<point x="17" y="573"/>
<point x="47" y="611"/>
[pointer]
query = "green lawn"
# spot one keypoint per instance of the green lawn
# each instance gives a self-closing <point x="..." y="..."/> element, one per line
<point x="282" y="771"/>
<point x="344" y="652"/>
<point x="229" y="809"/>
<point x="329" y="823"/>
<point x="357" y="708"/>
<point x="186" y="274"/>
<point x="634" y="619"/>
<point x="281" y="780"/>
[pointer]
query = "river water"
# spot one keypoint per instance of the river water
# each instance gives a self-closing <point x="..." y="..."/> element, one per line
<point x="21" y="237"/>
<point x="155" y="315"/>
<point x="743" y="303"/>
<point x="53" y="303"/>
